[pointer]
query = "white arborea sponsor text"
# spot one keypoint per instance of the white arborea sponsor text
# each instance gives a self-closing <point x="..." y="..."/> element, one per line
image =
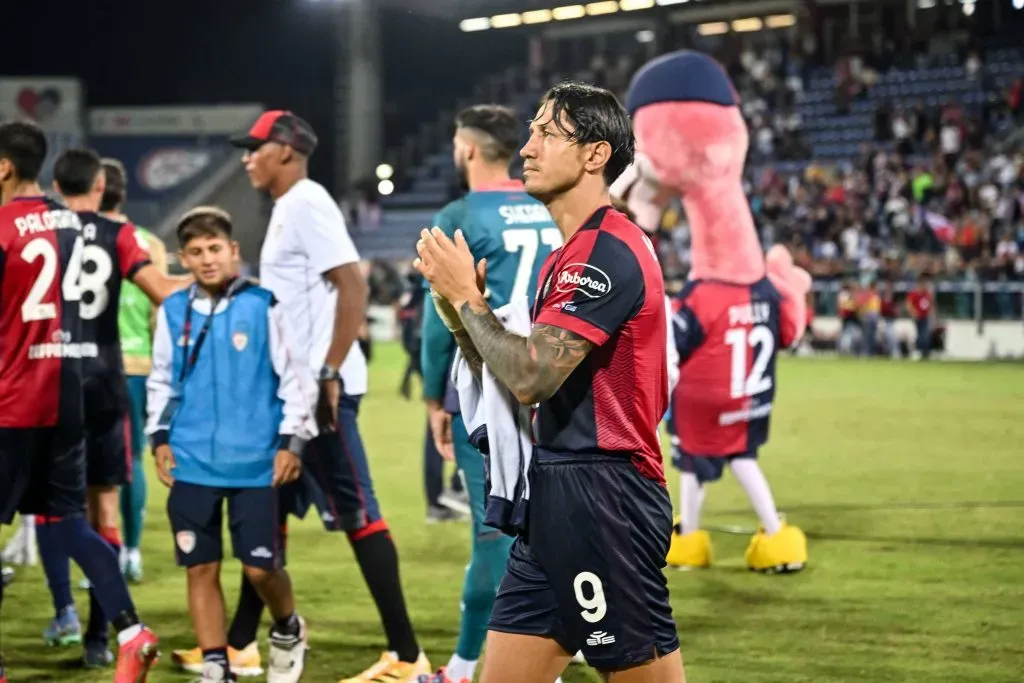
<point x="61" y="346"/>
<point x="585" y="278"/>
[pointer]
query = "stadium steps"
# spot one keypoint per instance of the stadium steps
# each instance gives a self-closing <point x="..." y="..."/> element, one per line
<point x="396" y="237"/>
<point x="227" y="187"/>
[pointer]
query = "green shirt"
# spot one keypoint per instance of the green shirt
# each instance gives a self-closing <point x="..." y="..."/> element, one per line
<point x="135" y="315"/>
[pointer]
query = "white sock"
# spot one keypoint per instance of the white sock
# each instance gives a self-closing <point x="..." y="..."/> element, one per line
<point x="751" y="478"/>
<point x="134" y="555"/>
<point x="459" y="668"/>
<point x="28" y="521"/>
<point x="126" y="635"/>
<point x="558" y="680"/>
<point x="691" y="500"/>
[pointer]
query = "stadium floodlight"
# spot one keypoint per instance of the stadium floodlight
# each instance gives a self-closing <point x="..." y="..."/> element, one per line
<point x="568" y="12"/>
<point x="605" y="7"/>
<point x="780" y="21"/>
<point x="666" y="3"/>
<point x="1018" y="4"/>
<point x="537" y="16"/>
<point x="747" y="25"/>
<point x="968" y="8"/>
<point x="645" y="36"/>
<point x="385" y="171"/>
<point x="506" y="20"/>
<point x="925" y="4"/>
<point x="713" y="28"/>
<point x="385" y="187"/>
<point x="633" y="5"/>
<point x="477" y="24"/>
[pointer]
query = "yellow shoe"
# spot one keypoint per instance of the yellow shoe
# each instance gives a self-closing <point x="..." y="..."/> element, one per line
<point x="785" y="551"/>
<point x="244" y="662"/>
<point x="689" y="551"/>
<point x="389" y="670"/>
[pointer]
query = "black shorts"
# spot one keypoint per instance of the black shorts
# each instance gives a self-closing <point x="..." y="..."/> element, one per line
<point x="706" y="469"/>
<point x="42" y="472"/>
<point x="107" y="457"/>
<point x="336" y="477"/>
<point x="588" y="571"/>
<point x="254" y="518"/>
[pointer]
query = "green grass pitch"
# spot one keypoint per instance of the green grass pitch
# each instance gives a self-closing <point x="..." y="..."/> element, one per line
<point x="907" y="477"/>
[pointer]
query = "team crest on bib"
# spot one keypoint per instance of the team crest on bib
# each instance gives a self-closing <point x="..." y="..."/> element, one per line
<point x="240" y="340"/>
<point x="186" y="541"/>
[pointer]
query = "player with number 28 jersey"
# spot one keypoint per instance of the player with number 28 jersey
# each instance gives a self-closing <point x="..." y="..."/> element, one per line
<point x="113" y="254"/>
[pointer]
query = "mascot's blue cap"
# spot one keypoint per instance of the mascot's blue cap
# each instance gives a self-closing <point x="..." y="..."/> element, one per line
<point x="684" y="76"/>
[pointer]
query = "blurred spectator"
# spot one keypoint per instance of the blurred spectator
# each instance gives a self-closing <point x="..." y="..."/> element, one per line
<point x="921" y="308"/>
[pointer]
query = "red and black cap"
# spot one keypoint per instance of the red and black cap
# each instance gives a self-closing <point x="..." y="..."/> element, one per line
<point x="279" y="126"/>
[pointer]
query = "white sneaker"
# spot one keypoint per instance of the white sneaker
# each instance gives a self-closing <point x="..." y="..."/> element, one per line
<point x="287" y="655"/>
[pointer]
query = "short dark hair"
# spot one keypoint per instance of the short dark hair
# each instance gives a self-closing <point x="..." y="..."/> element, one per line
<point x="596" y="115"/>
<point x="24" y="145"/>
<point x="204" y="221"/>
<point x="75" y="171"/>
<point x="500" y="124"/>
<point x="116" y="190"/>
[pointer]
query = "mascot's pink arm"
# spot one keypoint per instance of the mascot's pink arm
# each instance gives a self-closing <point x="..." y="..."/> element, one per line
<point x="699" y="149"/>
<point x="793" y="283"/>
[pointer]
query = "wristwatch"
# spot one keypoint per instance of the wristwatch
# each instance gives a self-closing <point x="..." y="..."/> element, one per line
<point x="327" y="373"/>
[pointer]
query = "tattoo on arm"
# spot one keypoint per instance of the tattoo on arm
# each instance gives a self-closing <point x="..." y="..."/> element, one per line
<point x="532" y="368"/>
<point x="470" y="353"/>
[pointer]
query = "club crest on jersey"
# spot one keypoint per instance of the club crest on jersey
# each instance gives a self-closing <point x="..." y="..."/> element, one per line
<point x="590" y="280"/>
<point x="240" y="340"/>
<point x="186" y="541"/>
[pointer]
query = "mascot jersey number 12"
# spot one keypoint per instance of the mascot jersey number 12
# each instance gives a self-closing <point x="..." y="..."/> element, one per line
<point x="738" y="308"/>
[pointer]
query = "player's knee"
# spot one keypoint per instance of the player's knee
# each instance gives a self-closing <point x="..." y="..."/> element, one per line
<point x="258" y="576"/>
<point x="103" y="505"/>
<point x="204" y="574"/>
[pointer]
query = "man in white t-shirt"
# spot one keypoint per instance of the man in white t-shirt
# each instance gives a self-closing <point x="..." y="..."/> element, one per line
<point x="310" y="264"/>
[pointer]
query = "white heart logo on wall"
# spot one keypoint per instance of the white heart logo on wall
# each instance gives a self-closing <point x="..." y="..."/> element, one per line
<point x="163" y="169"/>
<point x="583" y="277"/>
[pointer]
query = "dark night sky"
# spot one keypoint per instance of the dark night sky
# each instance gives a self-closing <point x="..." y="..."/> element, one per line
<point x="280" y="53"/>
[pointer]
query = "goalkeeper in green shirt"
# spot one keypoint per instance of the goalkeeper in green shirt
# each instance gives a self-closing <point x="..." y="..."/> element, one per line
<point x="135" y="324"/>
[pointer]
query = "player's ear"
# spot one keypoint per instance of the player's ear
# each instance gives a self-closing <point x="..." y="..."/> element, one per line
<point x="235" y="252"/>
<point x="6" y="170"/>
<point x="598" y="155"/>
<point x="99" y="184"/>
<point x="287" y="154"/>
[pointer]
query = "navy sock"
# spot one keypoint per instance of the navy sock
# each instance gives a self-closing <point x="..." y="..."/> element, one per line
<point x="289" y="626"/>
<point x="56" y="565"/>
<point x="246" y="621"/>
<point x="98" y="630"/>
<point x="99" y="563"/>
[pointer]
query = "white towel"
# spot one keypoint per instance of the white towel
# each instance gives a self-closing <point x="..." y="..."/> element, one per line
<point x="501" y="428"/>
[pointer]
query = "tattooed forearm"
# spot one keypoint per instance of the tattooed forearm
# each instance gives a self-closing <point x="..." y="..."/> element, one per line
<point x="470" y="353"/>
<point x="532" y="368"/>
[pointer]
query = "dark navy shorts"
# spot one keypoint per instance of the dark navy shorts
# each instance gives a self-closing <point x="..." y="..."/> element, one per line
<point x="42" y="472"/>
<point x="588" y="570"/>
<point x="336" y="478"/>
<point x="107" y="456"/>
<point x="706" y="469"/>
<point x="254" y="518"/>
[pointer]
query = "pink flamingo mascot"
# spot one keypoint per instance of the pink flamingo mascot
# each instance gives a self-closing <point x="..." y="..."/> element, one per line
<point x="738" y="308"/>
